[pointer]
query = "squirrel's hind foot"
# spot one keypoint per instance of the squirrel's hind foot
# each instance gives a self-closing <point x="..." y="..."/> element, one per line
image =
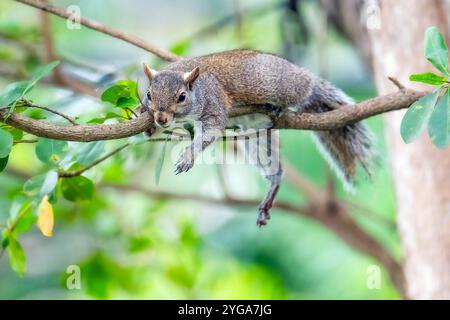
<point x="263" y="216"/>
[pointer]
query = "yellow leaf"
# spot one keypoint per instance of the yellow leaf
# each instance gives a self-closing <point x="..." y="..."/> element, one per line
<point x="45" y="217"/>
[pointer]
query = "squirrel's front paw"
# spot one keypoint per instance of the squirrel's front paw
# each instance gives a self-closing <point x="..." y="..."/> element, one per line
<point x="150" y="131"/>
<point x="185" y="163"/>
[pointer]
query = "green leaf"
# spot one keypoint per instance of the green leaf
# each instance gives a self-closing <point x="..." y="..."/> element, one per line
<point x="416" y="118"/>
<point x="17" y="204"/>
<point x="77" y="188"/>
<point x="130" y="84"/>
<point x="27" y="220"/>
<point x="17" y="90"/>
<point x="122" y="94"/>
<point x="13" y="92"/>
<point x="89" y="152"/>
<point x="138" y="243"/>
<point x="126" y="102"/>
<point x="50" y="151"/>
<point x="17" y="258"/>
<point x="3" y="163"/>
<point x="5" y="238"/>
<point x="160" y="162"/>
<point x="50" y="181"/>
<point x="428" y="78"/>
<point x="32" y="187"/>
<point x="41" y="72"/>
<point x="97" y="276"/>
<point x="16" y="133"/>
<point x="112" y="94"/>
<point x="180" y="48"/>
<point x="109" y="115"/>
<point x="436" y="50"/>
<point x="439" y="125"/>
<point x="20" y="214"/>
<point x="41" y="185"/>
<point x="6" y="142"/>
<point x="6" y="53"/>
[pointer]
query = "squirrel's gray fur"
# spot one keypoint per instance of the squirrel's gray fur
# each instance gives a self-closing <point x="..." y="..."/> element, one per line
<point x="215" y="83"/>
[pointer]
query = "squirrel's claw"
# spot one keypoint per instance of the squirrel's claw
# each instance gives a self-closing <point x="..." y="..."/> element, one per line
<point x="184" y="164"/>
<point x="263" y="216"/>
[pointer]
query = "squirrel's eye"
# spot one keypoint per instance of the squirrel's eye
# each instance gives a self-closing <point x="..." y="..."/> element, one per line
<point x="149" y="96"/>
<point x="182" y="97"/>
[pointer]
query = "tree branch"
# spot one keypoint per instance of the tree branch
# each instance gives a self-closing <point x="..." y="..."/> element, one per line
<point x="290" y="120"/>
<point x="350" y="114"/>
<point x="49" y="48"/>
<point x="91" y="24"/>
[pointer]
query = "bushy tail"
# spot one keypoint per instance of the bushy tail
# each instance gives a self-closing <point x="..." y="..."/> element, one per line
<point x="345" y="147"/>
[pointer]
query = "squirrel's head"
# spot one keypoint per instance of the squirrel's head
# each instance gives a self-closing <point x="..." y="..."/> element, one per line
<point x="170" y="94"/>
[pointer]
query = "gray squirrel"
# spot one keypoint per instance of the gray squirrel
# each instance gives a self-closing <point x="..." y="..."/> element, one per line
<point x="204" y="89"/>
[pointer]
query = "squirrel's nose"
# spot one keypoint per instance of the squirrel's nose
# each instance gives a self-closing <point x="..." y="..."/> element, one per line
<point x="162" y="120"/>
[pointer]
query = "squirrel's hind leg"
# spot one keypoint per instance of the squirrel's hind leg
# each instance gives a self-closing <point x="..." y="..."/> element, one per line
<point x="267" y="203"/>
<point x="263" y="151"/>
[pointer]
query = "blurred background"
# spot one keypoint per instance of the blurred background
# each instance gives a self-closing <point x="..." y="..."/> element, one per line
<point x="131" y="240"/>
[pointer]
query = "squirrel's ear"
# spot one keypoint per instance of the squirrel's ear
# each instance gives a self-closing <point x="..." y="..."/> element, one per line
<point x="149" y="72"/>
<point x="190" y="77"/>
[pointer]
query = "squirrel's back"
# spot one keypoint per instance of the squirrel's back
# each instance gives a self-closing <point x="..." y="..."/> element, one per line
<point x="253" y="77"/>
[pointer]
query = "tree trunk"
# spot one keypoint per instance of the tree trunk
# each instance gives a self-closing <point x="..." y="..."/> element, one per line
<point x="421" y="172"/>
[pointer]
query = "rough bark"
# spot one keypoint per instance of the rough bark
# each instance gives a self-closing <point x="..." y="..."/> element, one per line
<point x="421" y="172"/>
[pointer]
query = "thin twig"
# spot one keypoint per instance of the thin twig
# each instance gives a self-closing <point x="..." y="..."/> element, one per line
<point x="91" y="24"/>
<point x="397" y="83"/>
<point x="29" y="104"/>
<point x="131" y="111"/>
<point x="71" y="174"/>
<point x="25" y="141"/>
